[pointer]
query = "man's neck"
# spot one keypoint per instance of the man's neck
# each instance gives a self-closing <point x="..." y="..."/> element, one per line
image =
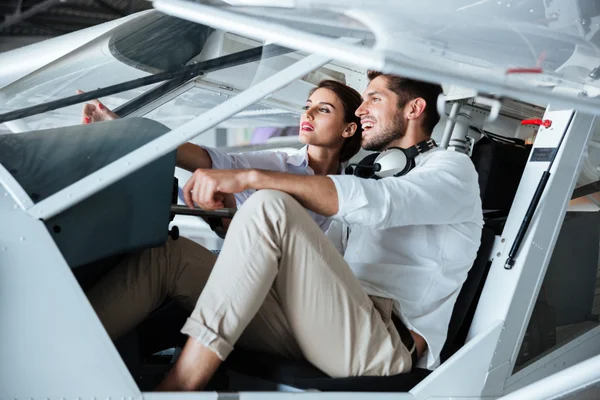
<point x="409" y="140"/>
<point x="323" y="161"/>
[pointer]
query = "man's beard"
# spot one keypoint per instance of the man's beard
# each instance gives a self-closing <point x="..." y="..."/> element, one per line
<point x="394" y="131"/>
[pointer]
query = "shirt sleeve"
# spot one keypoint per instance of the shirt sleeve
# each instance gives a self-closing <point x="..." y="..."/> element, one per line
<point x="268" y="160"/>
<point x="442" y="190"/>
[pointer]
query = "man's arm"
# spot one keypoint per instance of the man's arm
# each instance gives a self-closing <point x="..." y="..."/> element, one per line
<point x="316" y="193"/>
<point x="206" y="188"/>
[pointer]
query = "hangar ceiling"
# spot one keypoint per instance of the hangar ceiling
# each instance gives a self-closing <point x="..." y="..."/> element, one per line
<point x="24" y="22"/>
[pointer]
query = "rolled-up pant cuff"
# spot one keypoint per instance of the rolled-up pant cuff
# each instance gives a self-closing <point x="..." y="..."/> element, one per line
<point x="207" y="337"/>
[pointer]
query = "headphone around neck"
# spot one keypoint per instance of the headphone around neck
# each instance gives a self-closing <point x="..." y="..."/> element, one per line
<point x="394" y="161"/>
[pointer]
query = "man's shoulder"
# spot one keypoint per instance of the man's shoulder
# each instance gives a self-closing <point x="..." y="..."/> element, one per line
<point x="440" y="155"/>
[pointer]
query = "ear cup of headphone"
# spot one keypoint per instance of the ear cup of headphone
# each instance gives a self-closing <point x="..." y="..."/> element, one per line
<point x="364" y="168"/>
<point x="393" y="162"/>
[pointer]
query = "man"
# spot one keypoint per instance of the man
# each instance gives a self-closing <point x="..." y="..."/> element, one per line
<point x="280" y="285"/>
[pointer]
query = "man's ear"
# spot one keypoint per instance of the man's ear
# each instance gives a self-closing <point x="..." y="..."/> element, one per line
<point x="350" y="130"/>
<point x="416" y="108"/>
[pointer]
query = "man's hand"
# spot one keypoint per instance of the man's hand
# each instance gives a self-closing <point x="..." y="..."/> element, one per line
<point x="208" y="188"/>
<point x="95" y="112"/>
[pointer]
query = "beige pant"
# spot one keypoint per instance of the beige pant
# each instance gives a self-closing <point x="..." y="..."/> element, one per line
<point x="278" y="285"/>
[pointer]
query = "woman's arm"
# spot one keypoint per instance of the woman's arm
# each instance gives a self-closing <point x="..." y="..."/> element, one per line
<point x="191" y="157"/>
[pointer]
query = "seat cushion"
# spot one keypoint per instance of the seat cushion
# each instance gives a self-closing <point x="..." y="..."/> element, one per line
<point x="303" y="375"/>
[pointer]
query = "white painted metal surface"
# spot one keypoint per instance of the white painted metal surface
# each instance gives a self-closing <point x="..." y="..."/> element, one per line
<point x="510" y="294"/>
<point x="463" y="374"/>
<point x="567" y="355"/>
<point x="17" y="63"/>
<point x="184" y="396"/>
<point x="577" y="377"/>
<point x="170" y="141"/>
<point x="481" y="368"/>
<point x="16" y="191"/>
<point x="52" y="344"/>
<point x="379" y="57"/>
<point x="324" y="396"/>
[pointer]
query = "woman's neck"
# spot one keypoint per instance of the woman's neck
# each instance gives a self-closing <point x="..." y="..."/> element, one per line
<point x="323" y="161"/>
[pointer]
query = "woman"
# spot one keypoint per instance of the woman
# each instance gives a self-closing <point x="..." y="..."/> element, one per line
<point x="141" y="282"/>
<point x="328" y="127"/>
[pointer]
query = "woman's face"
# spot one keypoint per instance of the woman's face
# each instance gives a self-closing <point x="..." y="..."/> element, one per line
<point x="322" y="122"/>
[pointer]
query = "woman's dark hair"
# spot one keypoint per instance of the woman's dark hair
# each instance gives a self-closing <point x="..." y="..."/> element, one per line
<point x="351" y="100"/>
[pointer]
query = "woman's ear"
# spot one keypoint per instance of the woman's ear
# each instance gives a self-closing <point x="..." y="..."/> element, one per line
<point x="350" y="130"/>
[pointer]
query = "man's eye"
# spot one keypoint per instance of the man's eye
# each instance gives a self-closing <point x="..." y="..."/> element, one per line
<point x="375" y="99"/>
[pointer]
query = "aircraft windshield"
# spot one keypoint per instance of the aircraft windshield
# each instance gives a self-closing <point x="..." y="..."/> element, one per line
<point x="154" y="43"/>
<point x="553" y="46"/>
<point x="150" y="44"/>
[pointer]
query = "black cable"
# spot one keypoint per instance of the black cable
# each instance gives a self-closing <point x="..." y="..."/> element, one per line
<point x="182" y="75"/>
<point x="155" y="93"/>
<point x="510" y="261"/>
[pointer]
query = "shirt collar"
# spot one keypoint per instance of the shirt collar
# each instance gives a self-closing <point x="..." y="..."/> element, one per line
<point x="421" y="156"/>
<point x="300" y="158"/>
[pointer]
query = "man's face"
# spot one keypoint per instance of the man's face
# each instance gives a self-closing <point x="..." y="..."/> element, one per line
<point x="382" y="121"/>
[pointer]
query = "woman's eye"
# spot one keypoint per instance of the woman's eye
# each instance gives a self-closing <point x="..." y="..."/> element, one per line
<point x="305" y="108"/>
<point x="325" y="110"/>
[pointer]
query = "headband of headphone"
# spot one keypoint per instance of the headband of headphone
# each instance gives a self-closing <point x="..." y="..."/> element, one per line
<point x="394" y="161"/>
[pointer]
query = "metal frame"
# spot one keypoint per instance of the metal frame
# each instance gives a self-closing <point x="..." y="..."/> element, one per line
<point x="53" y="344"/>
<point x="360" y="56"/>
<point x="481" y="368"/>
<point x="111" y="173"/>
<point x="510" y="294"/>
<point x="76" y="336"/>
<point x="16" y="191"/>
<point x="463" y="374"/>
<point x="577" y="377"/>
<point x="172" y="78"/>
<point x="504" y="297"/>
<point x="165" y="98"/>
<point x="563" y="357"/>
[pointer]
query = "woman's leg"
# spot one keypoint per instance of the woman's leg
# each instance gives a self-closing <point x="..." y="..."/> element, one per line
<point x="141" y="282"/>
<point x="275" y="252"/>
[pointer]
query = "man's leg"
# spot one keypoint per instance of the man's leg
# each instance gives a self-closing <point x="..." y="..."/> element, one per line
<point x="272" y="244"/>
<point x="141" y="282"/>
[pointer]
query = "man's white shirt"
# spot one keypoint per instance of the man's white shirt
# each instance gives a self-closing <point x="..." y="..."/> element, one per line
<point x="413" y="239"/>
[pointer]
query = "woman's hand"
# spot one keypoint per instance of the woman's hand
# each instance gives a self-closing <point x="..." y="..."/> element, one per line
<point x="95" y="112"/>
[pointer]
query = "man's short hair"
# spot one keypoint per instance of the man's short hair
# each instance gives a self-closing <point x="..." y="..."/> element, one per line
<point x="408" y="89"/>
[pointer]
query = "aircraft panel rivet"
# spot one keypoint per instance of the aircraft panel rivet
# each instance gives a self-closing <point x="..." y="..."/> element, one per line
<point x="503" y="240"/>
<point x="498" y="254"/>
